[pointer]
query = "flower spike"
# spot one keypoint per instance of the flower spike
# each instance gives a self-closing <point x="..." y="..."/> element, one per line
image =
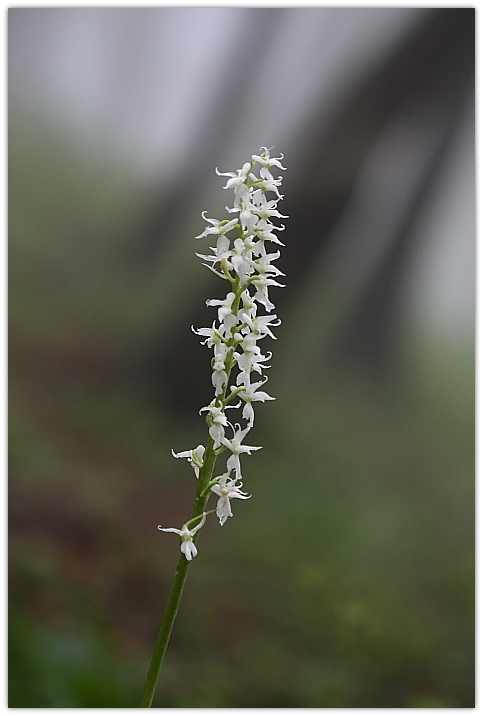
<point x="244" y="317"/>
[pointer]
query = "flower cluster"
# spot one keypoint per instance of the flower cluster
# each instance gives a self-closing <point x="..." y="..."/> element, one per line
<point x="240" y="256"/>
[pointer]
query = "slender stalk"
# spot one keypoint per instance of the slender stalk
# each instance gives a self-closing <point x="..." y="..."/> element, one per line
<point x="245" y="266"/>
<point x="164" y="632"/>
<point x="176" y="592"/>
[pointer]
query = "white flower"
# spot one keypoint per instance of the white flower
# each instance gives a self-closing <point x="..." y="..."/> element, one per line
<point x="264" y="208"/>
<point x="219" y="377"/>
<point x="251" y="394"/>
<point x="264" y="231"/>
<point x="226" y="490"/>
<point x="249" y="306"/>
<point x="187" y="546"/>
<point x="224" y="304"/>
<point x="237" y="449"/>
<point x="251" y="356"/>
<point x="219" y="227"/>
<point x="266" y="161"/>
<point x="237" y="182"/>
<point x="260" y="325"/>
<point x="222" y="251"/>
<point x="264" y="266"/>
<point x="262" y="283"/>
<point x="249" y="245"/>
<point x="239" y="260"/>
<point x="195" y="457"/>
<point x="218" y="422"/>
<point x="248" y="218"/>
<point x="268" y="182"/>
<point x="268" y="177"/>
<point x="213" y="336"/>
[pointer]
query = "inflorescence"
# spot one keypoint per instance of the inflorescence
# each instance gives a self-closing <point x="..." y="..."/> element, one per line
<point x="239" y="257"/>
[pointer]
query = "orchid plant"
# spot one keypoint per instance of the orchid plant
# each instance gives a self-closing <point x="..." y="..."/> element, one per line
<point x="240" y="257"/>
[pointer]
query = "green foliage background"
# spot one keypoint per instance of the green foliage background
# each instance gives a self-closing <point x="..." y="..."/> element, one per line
<point x="346" y="581"/>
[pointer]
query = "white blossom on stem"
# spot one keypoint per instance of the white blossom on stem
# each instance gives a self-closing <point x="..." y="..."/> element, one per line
<point x="250" y="394"/>
<point x="227" y="490"/>
<point x="218" y="228"/>
<point x="237" y="449"/>
<point x="225" y="305"/>
<point x="251" y="356"/>
<point x="266" y="161"/>
<point x="265" y="208"/>
<point x="187" y="546"/>
<point x="218" y="421"/>
<point x="262" y="283"/>
<point x="237" y="182"/>
<point x="195" y="457"/>
<point x="213" y="335"/>
<point x="219" y="377"/>
<point x="260" y="325"/>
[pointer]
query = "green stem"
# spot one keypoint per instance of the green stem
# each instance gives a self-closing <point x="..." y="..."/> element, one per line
<point x="164" y="632"/>
<point x="174" y="598"/>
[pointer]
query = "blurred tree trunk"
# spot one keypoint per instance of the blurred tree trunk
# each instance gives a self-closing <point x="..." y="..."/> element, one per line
<point x="425" y="85"/>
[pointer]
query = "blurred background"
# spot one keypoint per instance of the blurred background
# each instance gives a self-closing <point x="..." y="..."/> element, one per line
<point x="347" y="579"/>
